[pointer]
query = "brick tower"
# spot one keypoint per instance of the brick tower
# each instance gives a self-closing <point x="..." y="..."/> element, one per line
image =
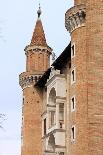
<point x="85" y="24"/>
<point x="37" y="62"/>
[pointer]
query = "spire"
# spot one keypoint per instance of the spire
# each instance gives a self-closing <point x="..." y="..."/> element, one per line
<point x="39" y="11"/>
<point x="38" y="37"/>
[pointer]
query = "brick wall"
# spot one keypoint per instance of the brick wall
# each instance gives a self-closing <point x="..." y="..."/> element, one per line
<point x="32" y="122"/>
<point x="79" y="89"/>
<point x="79" y="2"/>
<point x="95" y="75"/>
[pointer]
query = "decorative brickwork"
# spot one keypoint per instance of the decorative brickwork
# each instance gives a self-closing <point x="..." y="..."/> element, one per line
<point x="26" y="79"/>
<point x="75" y="17"/>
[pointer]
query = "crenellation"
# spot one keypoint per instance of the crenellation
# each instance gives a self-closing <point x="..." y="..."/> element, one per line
<point x="26" y="80"/>
<point x="75" y="17"/>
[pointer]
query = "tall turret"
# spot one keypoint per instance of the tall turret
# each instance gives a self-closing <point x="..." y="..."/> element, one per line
<point x="85" y="24"/>
<point x="37" y="62"/>
<point x="94" y="48"/>
<point x="75" y="23"/>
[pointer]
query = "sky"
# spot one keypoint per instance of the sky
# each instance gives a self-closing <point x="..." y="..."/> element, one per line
<point x="17" y="22"/>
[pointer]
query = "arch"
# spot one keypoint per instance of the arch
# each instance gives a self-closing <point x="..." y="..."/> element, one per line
<point x="51" y="143"/>
<point x="52" y="96"/>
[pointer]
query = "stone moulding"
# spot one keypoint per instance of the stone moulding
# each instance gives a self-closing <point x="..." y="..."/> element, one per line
<point x="75" y="17"/>
<point x="26" y="80"/>
<point x="37" y="49"/>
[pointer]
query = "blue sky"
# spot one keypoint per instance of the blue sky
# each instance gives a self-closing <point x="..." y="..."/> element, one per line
<point x="17" y="21"/>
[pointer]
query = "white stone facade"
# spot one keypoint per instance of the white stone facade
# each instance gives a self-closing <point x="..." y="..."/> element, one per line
<point x="54" y="114"/>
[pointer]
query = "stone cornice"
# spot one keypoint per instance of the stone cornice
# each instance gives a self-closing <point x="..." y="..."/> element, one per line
<point x="75" y="17"/>
<point x="35" y="48"/>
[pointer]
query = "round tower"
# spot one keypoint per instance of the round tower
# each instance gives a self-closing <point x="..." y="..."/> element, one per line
<point x="94" y="31"/>
<point x="85" y="24"/>
<point x="75" y="22"/>
<point x="37" y="62"/>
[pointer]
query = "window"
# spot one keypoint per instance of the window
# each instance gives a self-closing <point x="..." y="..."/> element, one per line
<point x="72" y="50"/>
<point x="73" y="76"/>
<point x="52" y="97"/>
<point x="23" y="101"/>
<point x="61" y="114"/>
<point x="73" y="134"/>
<point x="45" y="126"/>
<point x="52" y="118"/>
<point x="73" y="103"/>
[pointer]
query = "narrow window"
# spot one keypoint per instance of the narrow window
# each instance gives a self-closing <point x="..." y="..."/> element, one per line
<point x="45" y="126"/>
<point x="23" y="101"/>
<point x="73" y="78"/>
<point x="73" y="103"/>
<point x="52" y="118"/>
<point x="61" y="114"/>
<point x="72" y="50"/>
<point x="73" y="133"/>
<point x="73" y="75"/>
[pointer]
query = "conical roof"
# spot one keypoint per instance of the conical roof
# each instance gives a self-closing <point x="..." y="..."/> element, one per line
<point x="38" y="37"/>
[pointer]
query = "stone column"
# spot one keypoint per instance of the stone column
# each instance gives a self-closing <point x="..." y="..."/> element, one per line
<point x="57" y="116"/>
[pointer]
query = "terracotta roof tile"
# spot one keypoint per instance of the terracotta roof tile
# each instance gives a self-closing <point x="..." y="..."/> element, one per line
<point x="38" y="37"/>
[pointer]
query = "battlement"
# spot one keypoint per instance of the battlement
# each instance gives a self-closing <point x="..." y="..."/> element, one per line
<point x="75" y="17"/>
<point x="26" y="79"/>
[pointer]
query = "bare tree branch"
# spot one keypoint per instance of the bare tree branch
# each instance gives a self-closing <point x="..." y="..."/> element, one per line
<point x="2" y="119"/>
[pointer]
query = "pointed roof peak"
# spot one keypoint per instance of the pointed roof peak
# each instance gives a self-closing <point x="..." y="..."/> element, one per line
<point x="38" y="37"/>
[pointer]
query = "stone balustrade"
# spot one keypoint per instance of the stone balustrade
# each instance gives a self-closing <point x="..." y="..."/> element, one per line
<point x="75" y="17"/>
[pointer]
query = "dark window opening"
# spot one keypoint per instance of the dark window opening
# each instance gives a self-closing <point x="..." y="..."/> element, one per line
<point x="45" y="126"/>
<point x="73" y="78"/>
<point x="73" y="50"/>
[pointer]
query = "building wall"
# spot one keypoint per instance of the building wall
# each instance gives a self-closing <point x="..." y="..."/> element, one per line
<point x="88" y="86"/>
<point x="79" y="117"/>
<point x="94" y="32"/>
<point x="31" y="129"/>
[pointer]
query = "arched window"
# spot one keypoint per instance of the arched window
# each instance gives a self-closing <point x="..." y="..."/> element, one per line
<point x="52" y="103"/>
<point x="52" y="97"/>
<point x="51" y="143"/>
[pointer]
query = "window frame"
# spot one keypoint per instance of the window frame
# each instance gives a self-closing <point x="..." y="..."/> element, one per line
<point x="73" y="133"/>
<point x="44" y="126"/>
<point x="73" y="105"/>
<point x="73" y="75"/>
<point x="72" y="51"/>
<point x="52" y="118"/>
